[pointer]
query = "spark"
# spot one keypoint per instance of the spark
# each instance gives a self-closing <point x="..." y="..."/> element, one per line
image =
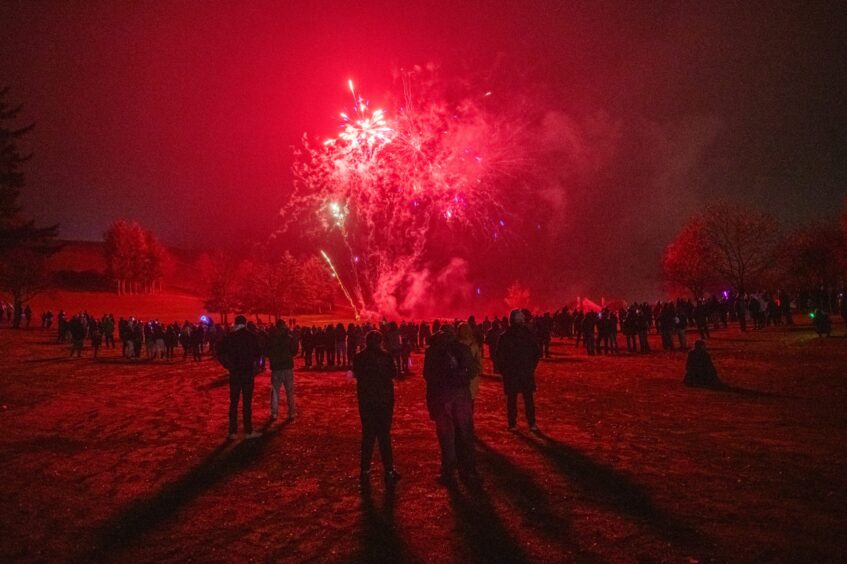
<point x="341" y="284"/>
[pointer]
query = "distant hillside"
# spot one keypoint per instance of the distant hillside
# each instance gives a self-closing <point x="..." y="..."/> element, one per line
<point x="80" y="265"/>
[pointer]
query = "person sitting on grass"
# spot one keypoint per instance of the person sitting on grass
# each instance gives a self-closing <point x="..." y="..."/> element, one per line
<point x="699" y="370"/>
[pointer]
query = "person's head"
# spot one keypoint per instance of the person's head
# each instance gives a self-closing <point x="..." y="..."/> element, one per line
<point x="517" y="317"/>
<point x="700" y="345"/>
<point x="465" y="333"/>
<point x="240" y="320"/>
<point x="373" y="340"/>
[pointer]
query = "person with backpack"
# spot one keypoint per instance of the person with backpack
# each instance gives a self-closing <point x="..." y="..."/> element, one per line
<point x="518" y="354"/>
<point x="281" y="352"/>
<point x="448" y="366"/>
<point x="374" y="371"/>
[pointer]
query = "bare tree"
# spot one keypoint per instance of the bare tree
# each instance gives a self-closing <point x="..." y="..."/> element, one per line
<point x="24" y="275"/>
<point x="743" y="242"/>
<point x="222" y="274"/>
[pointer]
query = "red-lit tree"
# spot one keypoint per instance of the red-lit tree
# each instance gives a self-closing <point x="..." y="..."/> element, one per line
<point x="319" y="289"/>
<point x="222" y="274"/>
<point x="135" y="258"/>
<point x="688" y="261"/>
<point x="272" y="285"/>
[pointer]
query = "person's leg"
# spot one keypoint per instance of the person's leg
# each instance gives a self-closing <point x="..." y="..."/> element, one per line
<point x="234" y="395"/>
<point x="368" y="438"/>
<point x="512" y="409"/>
<point x="247" y="391"/>
<point x="288" y="382"/>
<point x="383" y="433"/>
<point x="529" y="405"/>
<point x="445" y="429"/>
<point x="463" y="416"/>
<point x="276" y="381"/>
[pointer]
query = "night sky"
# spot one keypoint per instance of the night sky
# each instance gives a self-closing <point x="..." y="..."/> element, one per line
<point x="182" y="115"/>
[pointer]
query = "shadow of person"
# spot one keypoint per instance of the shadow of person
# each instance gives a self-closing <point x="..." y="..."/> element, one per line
<point x="482" y="529"/>
<point x="728" y="389"/>
<point x="532" y="500"/>
<point x="606" y="486"/>
<point x="380" y="540"/>
<point x="146" y="514"/>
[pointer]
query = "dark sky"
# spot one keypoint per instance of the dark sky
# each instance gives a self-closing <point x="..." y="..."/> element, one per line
<point x="182" y="115"/>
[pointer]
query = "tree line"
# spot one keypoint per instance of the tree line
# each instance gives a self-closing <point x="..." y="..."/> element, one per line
<point x="729" y="247"/>
<point x="267" y="281"/>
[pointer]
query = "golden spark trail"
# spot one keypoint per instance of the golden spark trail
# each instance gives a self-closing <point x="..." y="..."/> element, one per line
<point x="341" y="284"/>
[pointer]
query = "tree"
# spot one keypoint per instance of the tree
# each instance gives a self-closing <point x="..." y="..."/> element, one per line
<point x="23" y="246"/>
<point x="742" y="242"/>
<point x="222" y="274"/>
<point x="24" y="274"/>
<point x="319" y="288"/>
<point x="812" y="256"/>
<point x="15" y="231"/>
<point x="135" y="258"/>
<point x="273" y="284"/>
<point x="517" y="296"/>
<point x="688" y="261"/>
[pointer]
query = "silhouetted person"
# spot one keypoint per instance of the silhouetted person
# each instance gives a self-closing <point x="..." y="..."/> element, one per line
<point x="699" y="370"/>
<point x="517" y="356"/>
<point x="240" y="354"/>
<point x="447" y="371"/>
<point x="374" y="371"/>
<point x="281" y="351"/>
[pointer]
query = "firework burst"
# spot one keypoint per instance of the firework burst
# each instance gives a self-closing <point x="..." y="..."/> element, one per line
<point x="388" y="178"/>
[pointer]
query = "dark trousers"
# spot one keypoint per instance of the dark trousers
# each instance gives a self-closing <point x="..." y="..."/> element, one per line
<point x="240" y="386"/>
<point x="376" y="426"/>
<point x="512" y="408"/>
<point x="454" y="427"/>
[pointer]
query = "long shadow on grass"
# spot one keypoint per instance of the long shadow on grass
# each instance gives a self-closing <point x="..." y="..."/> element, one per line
<point x="380" y="540"/>
<point x="482" y="529"/>
<point x="530" y="498"/>
<point x="604" y="485"/>
<point x="63" y="358"/>
<point x="148" y="513"/>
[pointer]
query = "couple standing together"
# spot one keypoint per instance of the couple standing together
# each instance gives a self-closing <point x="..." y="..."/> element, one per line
<point x="452" y="370"/>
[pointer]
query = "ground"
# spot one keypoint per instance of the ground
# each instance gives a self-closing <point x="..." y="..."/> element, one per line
<point x="121" y="461"/>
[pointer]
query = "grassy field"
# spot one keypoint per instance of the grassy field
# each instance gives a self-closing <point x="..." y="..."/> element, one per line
<point x="119" y="461"/>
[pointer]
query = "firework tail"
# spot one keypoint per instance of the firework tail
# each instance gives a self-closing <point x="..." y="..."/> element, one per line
<point x="341" y="284"/>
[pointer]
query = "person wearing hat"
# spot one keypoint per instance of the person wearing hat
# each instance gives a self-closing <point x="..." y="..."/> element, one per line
<point x="518" y="354"/>
<point x="239" y="354"/>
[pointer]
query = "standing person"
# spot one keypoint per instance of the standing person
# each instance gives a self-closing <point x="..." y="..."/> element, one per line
<point x="517" y="356"/>
<point x="77" y="331"/>
<point x="467" y="338"/>
<point x="374" y="371"/>
<point x="96" y="337"/>
<point x="281" y="352"/>
<point x="108" y="325"/>
<point x="447" y="371"/>
<point x="240" y="354"/>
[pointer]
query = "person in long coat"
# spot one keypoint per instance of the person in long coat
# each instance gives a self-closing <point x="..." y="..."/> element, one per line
<point x="518" y="354"/>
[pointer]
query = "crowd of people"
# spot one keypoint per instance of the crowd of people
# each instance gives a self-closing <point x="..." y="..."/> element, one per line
<point x="377" y="354"/>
